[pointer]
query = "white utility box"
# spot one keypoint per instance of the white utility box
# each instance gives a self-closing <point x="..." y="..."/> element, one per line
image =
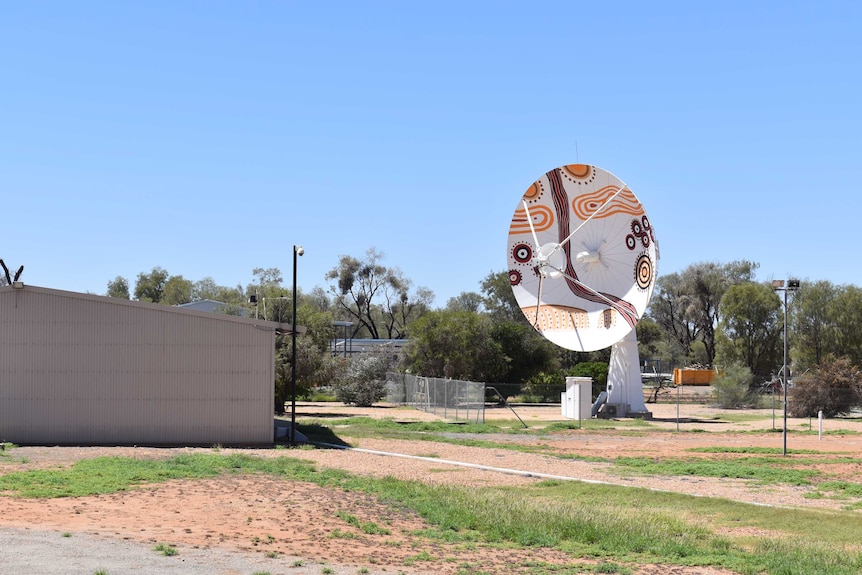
<point x="577" y="400"/>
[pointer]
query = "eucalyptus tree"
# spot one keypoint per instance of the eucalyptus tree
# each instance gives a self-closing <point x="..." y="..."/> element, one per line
<point x="687" y="305"/>
<point x="207" y="288"/>
<point x="499" y="299"/>
<point x="376" y="298"/>
<point x="845" y="315"/>
<point x="669" y="309"/>
<point x="751" y="329"/>
<point x="118" y="288"/>
<point x="458" y="344"/>
<point x="466" y="301"/>
<point x="653" y="344"/>
<point x="151" y="286"/>
<point x="177" y="290"/>
<point x="810" y="323"/>
<point x="315" y="365"/>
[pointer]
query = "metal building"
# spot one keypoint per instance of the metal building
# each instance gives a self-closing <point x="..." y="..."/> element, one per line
<point x="87" y="369"/>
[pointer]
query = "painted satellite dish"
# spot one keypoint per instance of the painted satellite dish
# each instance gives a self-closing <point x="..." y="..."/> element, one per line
<point x="582" y="257"/>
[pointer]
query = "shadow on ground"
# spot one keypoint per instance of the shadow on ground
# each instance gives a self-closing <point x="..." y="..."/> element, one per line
<point x="686" y="420"/>
<point x="321" y="434"/>
<point x="380" y="411"/>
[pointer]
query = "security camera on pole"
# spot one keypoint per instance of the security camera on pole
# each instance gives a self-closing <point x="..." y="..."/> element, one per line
<point x="778" y="285"/>
<point x="297" y="251"/>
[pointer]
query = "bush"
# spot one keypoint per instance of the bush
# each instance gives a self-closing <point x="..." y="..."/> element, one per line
<point x="364" y="381"/>
<point x="547" y="387"/>
<point x="544" y="388"/>
<point x="597" y="370"/>
<point x="835" y="387"/>
<point x="733" y="388"/>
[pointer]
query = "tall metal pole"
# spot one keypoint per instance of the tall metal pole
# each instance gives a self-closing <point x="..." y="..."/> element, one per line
<point x="784" y="376"/>
<point x="297" y="251"/>
<point x="777" y="285"/>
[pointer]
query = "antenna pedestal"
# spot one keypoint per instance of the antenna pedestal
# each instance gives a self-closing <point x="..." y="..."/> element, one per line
<point x="625" y="386"/>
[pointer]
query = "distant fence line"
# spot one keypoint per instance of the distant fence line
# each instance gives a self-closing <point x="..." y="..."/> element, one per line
<point x="449" y="398"/>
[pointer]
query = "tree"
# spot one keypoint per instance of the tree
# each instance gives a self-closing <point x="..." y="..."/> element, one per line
<point x="457" y="344"/>
<point x="835" y="387"/>
<point x="319" y="323"/>
<point x="118" y="288"/>
<point x="356" y="285"/>
<point x="809" y="317"/>
<point x="319" y="299"/>
<point x="751" y="328"/>
<point x="687" y="305"/>
<point x="284" y="372"/>
<point x="177" y="290"/>
<point x="669" y="309"/>
<point x="650" y="339"/>
<point x="400" y="309"/>
<point x="525" y="350"/>
<point x="267" y="276"/>
<point x="466" y="301"/>
<point x="845" y="315"/>
<point x="376" y="298"/>
<point x="309" y="360"/>
<point x="274" y="301"/>
<point x="315" y="365"/>
<point x="207" y="288"/>
<point x="150" y="287"/>
<point x="500" y="300"/>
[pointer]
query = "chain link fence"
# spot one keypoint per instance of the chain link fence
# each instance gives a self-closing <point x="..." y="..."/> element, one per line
<point x="448" y="398"/>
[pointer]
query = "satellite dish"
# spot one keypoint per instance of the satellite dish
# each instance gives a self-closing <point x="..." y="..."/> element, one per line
<point x="582" y="263"/>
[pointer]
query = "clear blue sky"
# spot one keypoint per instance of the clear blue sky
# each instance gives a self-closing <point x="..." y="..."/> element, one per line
<point x="209" y="137"/>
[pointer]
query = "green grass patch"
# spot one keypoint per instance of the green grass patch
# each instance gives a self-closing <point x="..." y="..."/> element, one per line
<point x="838" y="432"/>
<point x="390" y="428"/>
<point x="767" y="470"/>
<point x="165" y="549"/>
<point x="112" y="474"/>
<point x="386" y="425"/>
<point x="367" y="527"/>
<point x="841" y="490"/>
<point x="739" y="416"/>
<point x="758" y="450"/>
<point x="635" y="424"/>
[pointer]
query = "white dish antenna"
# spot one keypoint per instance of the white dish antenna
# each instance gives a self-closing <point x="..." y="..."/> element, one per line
<point x="582" y="263"/>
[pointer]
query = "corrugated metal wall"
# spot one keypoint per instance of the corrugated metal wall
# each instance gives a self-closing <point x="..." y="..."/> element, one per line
<point x="83" y="369"/>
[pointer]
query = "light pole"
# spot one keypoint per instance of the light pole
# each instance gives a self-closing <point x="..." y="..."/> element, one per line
<point x="778" y="285"/>
<point x="297" y="251"/>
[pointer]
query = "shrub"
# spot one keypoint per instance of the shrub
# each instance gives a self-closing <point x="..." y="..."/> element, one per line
<point x="363" y="382"/>
<point x="547" y="387"/>
<point x="544" y="387"/>
<point x="733" y="388"/>
<point x="598" y="370"/>
<point x="835" y="387"/>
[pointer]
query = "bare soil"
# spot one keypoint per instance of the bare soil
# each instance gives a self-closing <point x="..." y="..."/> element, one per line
<point x="261" y="524"/>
